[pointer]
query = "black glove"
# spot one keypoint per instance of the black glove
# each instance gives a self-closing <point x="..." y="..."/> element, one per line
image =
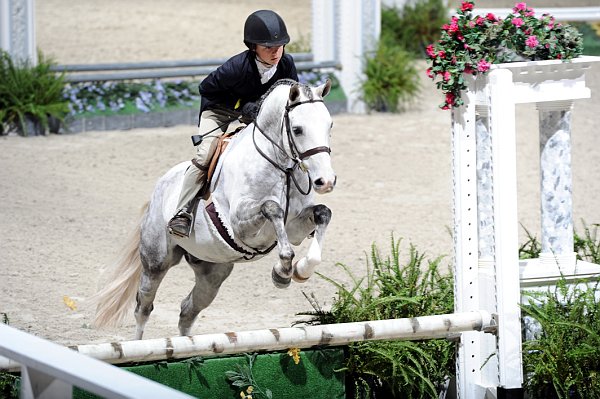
<point x="249" y="112"/>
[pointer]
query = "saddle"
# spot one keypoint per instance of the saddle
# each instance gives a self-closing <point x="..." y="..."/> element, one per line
<point x="221" y="146"/>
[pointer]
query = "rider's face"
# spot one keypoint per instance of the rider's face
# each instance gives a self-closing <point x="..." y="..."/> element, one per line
<point x="270" y="55"/>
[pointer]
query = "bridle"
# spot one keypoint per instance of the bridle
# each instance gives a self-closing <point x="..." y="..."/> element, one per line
<point x="296" y="157"/>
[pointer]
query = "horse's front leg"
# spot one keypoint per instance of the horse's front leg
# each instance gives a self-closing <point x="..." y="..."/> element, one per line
<point x="319" y="216"/>
<point x="282" y="271"/>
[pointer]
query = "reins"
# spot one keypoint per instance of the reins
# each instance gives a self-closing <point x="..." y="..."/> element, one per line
<point x="297" y="157"/>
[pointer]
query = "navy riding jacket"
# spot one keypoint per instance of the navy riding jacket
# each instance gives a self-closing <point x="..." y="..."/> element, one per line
<point x="238" y="80"/>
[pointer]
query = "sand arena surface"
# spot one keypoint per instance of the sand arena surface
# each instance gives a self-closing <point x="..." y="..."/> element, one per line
<point x="70" y="202"/>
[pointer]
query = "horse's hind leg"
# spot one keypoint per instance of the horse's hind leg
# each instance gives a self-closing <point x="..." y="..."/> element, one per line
<point x="154" y="270"/>
<point x="149" y="283"/>
<point x="209" y="277"/>
<point x="305" y="267"/>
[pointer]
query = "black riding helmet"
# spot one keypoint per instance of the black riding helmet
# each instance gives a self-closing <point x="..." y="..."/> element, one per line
<point x="265" y="28"/>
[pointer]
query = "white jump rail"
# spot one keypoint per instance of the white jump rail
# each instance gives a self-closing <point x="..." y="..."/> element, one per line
<point x="565" y="14"/>
<point x="273" y="339"/>
<point x="49" y="371"/>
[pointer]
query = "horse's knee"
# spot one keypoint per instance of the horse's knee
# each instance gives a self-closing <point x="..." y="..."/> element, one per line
<point x="322" y="215"/>
<point x="271" y="210"/>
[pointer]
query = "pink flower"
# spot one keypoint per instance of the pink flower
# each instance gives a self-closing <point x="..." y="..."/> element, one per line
<point x="446" y="76"/>
<point x="518" y="22"/>
<point x="466" y="6"/>
<point x="442" y="54"/>
<point x="520" y="7"/>
<point x="532" y="42"/>
<point x="429" y="73"/>
<point x="479" y="20"/>
<point x="450" y="98"/>
<point x="483" y="65"/>
<point x="468" y="69"/>
<point x="430" y="51"/>
<point x="490" y="17"/>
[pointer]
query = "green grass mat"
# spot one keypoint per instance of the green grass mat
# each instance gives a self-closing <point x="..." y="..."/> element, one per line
<point x="314" y="377"/>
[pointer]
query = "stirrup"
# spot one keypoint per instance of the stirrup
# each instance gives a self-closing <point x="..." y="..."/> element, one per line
<point x="181" y="224"/>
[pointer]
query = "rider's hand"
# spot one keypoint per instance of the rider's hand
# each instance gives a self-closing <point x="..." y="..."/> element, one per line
<point x="249" y="112"/>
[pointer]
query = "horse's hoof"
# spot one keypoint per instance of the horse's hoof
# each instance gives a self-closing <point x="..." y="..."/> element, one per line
<point x="280" y="282"/>
<point x="298" y="278"/>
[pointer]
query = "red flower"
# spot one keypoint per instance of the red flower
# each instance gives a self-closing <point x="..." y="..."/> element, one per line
<point x="430" y="51"/>
<point x="466" y="6"/>
<point x="491" y="17"/>
<point x="429" y="73"/>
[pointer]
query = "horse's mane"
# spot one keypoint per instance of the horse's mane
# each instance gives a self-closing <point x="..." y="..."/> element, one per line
<point x="288" y="82"/>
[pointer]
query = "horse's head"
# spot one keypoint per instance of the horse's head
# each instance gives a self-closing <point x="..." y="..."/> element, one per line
<point x="307" y="133"/>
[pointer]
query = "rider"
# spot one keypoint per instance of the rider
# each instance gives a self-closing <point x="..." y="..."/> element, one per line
<point x="229" y="92"/>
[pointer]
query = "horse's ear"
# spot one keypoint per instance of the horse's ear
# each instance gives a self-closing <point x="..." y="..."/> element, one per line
<point x="324" y="89"/>
<point x="294" y="93"/>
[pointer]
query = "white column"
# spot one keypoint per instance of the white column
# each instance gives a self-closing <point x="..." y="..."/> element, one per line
<point x="323" y="30"/>
<point x="17" y="29"/>
<point x="466" y="273"/>
<point x="357" y="35"/>
<point x="502" y="127"/>
<point x="556" y="186"/>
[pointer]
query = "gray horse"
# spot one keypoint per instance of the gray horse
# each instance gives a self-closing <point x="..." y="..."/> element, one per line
<point x="262" y="198"/>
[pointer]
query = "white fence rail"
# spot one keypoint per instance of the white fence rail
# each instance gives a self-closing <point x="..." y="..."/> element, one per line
<point x="565" y="14"/>
<point x="49" y="370"/>
<point x="415" y="328"/>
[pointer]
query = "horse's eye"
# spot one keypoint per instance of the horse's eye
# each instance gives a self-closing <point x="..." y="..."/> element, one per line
<point x="297" y="130"/>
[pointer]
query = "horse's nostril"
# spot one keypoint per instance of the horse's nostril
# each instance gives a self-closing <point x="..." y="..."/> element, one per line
<point x="319" y="182"/>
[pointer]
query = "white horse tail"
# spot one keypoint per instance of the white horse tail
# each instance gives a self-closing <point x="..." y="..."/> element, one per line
<point x="115" y="300"/>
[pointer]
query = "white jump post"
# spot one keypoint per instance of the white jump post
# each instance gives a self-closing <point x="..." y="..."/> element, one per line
<point x="17" y="29"/>
<point x="488" y="272"/>
<point x="346" y="31"/>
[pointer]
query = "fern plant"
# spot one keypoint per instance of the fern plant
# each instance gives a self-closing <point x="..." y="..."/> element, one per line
<point x="391" y="289"/>
<point x="30" y="93"/>
<point x="563" y="359"/>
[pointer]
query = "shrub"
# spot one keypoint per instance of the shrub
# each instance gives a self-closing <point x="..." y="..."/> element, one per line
<point x="414" y="26"/>
<point x="410" y="369"/>
<point x="30" y="92"/>
<point x="391" y="79"/>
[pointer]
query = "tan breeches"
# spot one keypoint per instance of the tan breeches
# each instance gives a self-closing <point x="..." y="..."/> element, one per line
<point x="195" y="177"/>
